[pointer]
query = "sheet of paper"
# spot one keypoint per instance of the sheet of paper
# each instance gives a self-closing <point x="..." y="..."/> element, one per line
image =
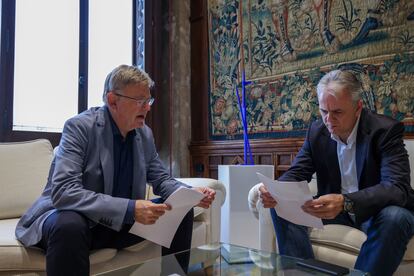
<point x="162" y="232"/>
<point x="290" y="196"/>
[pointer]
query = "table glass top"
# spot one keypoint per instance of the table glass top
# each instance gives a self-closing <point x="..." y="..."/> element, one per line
<point x="223" y="259"/>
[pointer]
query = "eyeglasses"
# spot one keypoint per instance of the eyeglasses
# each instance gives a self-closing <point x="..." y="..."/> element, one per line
<point x="140" y="103"/>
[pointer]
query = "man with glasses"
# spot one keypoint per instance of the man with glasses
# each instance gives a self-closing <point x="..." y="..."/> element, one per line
<point x="97" y="181"/>
<point x="363" y="177"/>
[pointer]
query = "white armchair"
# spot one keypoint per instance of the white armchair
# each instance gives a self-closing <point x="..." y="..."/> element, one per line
<point x="335" y="243"/>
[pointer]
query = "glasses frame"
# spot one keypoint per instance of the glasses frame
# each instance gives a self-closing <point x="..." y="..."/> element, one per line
<point x="140" y="103"/>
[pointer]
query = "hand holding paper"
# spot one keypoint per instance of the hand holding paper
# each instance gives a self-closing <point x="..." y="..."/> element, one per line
<point x="163" y="231"/>
<point x="147" y="212"/>
<point x="326" y="206"/>
<point x="209" y="195"/>
<point x="267" y="199"/>
<point x="290" y="197"/>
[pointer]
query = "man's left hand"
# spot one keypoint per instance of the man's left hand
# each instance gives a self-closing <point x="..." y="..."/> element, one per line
<point x="209" y="195"/>
<point x="325" y="207"/>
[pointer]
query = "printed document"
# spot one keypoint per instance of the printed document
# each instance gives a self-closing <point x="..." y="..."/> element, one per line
<point x="163" y="230"/>
<point x="290" y="196"/>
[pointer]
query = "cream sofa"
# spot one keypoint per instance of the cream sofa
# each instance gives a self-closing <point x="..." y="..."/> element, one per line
<point x="336" y="244"/>
<point x="24" y="168"/>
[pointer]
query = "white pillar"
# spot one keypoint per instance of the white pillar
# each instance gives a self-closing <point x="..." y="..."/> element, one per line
<point x="238" y="225"/>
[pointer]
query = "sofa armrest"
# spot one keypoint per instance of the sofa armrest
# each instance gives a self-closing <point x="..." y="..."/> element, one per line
<point x="267" y="235"/>
<point x="211" y="216"/>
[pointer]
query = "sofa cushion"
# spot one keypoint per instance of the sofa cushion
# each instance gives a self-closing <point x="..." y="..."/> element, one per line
<point x="341" y="236"/>
<point x="334" y="255"/>
<point x="139" y="246"/>
<point x="14" y="256"/>
<point x="24" y="167"/>
<point x="348" y="238"/>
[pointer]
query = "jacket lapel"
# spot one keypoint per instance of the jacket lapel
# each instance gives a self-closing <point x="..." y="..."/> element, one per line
<point x="106" y="148"/>
<point x="332" y="161"/>
<point x="361" y="144"/>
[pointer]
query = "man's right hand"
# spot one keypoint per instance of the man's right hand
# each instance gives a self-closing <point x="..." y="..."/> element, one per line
<point x="267" y="199"/>
<point x="147" y="212"/>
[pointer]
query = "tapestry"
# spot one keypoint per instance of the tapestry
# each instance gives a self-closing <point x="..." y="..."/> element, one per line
<point x="284" y="47"/>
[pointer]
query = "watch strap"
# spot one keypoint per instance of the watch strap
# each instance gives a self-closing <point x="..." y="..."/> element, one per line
<point x="348" y="204"/>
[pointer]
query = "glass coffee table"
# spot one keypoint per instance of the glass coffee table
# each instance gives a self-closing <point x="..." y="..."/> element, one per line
<point x="223" y="259"/>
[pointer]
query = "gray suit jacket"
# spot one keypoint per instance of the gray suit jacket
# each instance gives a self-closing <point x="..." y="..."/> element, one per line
<point x="81" y="176"/>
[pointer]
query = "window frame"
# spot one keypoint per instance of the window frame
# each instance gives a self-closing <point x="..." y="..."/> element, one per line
<point x="7" y="54"/>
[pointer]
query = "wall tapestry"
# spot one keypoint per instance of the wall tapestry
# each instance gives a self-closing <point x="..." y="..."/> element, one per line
<point x="285" y="46"/>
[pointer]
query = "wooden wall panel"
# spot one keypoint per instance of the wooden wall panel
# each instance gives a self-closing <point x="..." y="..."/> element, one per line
<point x="206" y="157"/>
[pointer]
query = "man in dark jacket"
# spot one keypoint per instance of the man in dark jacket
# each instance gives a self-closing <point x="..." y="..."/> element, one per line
<point x="363" y="177"/>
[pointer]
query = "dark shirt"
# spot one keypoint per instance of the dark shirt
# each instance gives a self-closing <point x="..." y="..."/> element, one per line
<point x="123" y="166"/>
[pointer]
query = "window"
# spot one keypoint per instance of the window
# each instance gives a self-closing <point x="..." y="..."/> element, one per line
<point x="110" y="42"/>
<point x="57" y="55"/>
<point x="46" y="57"/>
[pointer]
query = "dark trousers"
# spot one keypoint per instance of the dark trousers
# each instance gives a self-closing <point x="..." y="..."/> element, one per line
<point x="67" y="240"/>
<point x="388" y="234"/>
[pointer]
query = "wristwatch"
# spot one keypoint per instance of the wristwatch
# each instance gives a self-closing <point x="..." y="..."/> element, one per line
<point x="348" y="205"/>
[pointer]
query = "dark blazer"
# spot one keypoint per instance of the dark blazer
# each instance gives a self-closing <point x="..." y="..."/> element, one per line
<point x="383" y="168"/>
<point x="81" y="176"/>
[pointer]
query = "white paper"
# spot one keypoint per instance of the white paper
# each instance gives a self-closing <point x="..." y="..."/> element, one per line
<point x="163" y="230"/>
<point x="290" y="196"/>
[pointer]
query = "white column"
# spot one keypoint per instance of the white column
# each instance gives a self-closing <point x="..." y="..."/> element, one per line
<point x="238" y="225"/>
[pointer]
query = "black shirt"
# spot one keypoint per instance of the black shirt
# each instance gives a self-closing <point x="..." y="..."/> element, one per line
<point x="123" y="167"/>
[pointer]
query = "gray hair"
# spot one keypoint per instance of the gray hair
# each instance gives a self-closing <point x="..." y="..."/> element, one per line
<point x="124" y="75"/>
<point x="344" y="78"/>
